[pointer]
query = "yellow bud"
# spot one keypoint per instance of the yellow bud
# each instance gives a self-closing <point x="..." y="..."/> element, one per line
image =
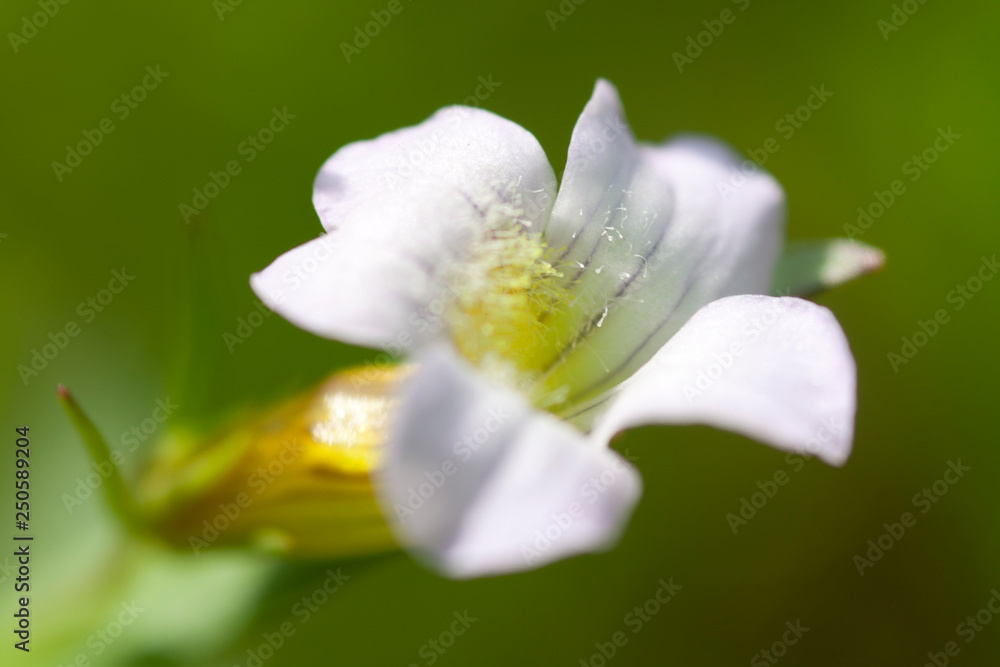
<point x="295" y="478"/>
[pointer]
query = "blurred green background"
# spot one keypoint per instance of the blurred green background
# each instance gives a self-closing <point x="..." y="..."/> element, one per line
<point x="227" y="70"/>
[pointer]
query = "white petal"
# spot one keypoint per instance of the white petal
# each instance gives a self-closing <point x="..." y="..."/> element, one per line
<point x="477" y="482"/>
<point x="808" y="267"/>
<point x="654" y="234"/>
<point x="775" y="369"/>
<point x="399" y="211"/>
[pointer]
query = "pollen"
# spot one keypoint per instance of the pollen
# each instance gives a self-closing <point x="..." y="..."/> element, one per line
<point x="508" y="283"/>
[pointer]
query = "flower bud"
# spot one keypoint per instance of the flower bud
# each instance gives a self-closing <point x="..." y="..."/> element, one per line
<point x="295" y="478"/>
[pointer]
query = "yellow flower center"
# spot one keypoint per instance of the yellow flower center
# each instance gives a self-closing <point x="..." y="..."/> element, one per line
<point x="500" y="319"/>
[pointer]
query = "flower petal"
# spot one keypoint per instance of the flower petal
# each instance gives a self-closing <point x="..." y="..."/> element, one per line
<point x="775" y="369"/>
<point x="399" y="210"/>
<point x="477" y="482"/>
<point x="651" y="234"/>
<point x="809" y="267"/>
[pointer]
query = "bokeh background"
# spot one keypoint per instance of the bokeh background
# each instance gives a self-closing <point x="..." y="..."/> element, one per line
<point x="230" y="64"/>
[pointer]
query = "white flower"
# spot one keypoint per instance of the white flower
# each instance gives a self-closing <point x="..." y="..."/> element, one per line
<point x="544" y="323"/>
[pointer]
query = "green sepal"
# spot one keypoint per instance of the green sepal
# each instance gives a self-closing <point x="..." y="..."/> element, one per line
<point x="809" y="267"/>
